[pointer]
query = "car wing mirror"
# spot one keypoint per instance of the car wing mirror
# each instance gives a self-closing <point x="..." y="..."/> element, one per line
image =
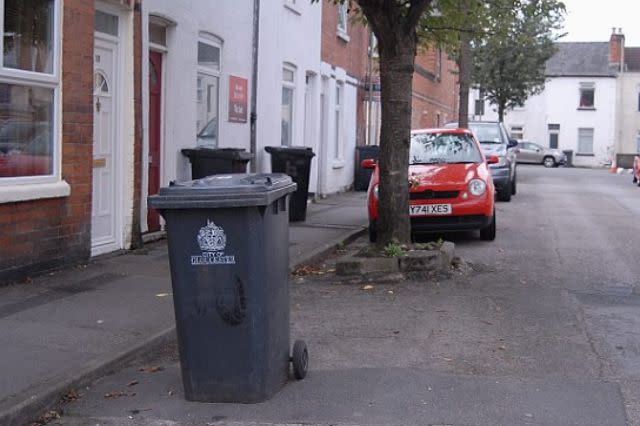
<point x="493" y="159"/>
<point x="369" y="163"/>
<point x="512" y="143"/>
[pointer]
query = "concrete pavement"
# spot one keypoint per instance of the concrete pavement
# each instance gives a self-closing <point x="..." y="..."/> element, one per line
<point x="543" y="330"/>
<point x="65" y="329"/>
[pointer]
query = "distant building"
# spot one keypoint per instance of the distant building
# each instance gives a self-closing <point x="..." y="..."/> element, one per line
<point x="590" y="104"/>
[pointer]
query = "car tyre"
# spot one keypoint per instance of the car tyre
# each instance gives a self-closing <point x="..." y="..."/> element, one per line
<point x="635" y="179"/>
<point x="373" y="232"/>
<point x="505" y="193"/>
<point x="549" y="162"/>
<point x="489" y="233"/>
<point x="300" y="360"/>
<point x="513" y="184"/>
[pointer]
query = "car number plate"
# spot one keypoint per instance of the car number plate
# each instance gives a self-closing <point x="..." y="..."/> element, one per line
<point x="430" y="209"/>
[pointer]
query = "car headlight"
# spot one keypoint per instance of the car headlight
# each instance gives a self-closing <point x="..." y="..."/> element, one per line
<point x="375" y="191"/>
<point x="502" y="161"/>
<point x="477" y="187"/>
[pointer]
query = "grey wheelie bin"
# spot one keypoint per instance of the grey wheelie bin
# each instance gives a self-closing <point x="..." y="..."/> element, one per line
<point x="228" y="238"/>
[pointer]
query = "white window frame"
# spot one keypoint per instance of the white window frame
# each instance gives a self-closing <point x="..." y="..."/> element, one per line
<point x="211" y="40"/>
<point x="32" y="184"/>
<point x="587" y="86"/>
<point x="343" y="16"/>
<point x="338" y="142"/>
<point x="515" y="130"/>
<point x="292" y="86"/>
<point x="593" y="136"/>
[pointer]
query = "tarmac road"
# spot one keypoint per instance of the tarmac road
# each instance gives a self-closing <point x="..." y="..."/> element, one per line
<point x="544" y="331"/>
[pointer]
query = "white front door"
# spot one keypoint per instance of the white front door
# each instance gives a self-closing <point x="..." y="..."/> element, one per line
<point x="105" y="235"/>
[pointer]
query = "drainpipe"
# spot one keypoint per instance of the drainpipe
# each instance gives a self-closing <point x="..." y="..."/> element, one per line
<point x="254" y="84"/>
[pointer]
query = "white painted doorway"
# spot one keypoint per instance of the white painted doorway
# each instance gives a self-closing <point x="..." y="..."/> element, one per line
<point x="106" y="212"/>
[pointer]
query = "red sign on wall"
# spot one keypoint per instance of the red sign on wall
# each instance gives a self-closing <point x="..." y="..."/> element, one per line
<point x="237" y="99"/>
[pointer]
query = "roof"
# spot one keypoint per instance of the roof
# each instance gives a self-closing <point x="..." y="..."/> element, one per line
<point x="632" y="58"/>
<point x="578" y="59"/>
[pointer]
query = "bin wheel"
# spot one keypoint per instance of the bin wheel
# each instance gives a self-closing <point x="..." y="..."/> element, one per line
<point x="300" y="359"/>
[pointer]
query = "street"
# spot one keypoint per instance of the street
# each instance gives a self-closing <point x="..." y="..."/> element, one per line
<point x="543" y="329"/>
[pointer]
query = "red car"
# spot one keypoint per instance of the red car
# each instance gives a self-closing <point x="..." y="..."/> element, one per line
<point x="450" y="184"/>
<point x="636" y="170"/>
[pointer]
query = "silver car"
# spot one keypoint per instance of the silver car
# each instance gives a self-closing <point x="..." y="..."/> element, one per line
<point x="532" y="153"/>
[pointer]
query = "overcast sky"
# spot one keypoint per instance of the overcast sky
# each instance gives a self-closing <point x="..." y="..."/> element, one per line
<point x="591" y="20"/>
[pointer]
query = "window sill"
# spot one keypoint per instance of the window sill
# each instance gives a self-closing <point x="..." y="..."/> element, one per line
<point x="586" y="109"/>
<point x="37" y="191"/>
<point x="338" y="164"/>
<point x="343" y="36"/>
<point x="293" y="8"/>
<point x="584" y="154"/>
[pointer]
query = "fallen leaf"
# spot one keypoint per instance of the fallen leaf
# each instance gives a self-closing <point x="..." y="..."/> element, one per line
<point x="163" y="294"/>
<point x="70" y="396"/>
<point x="170" y="393"/>
<point x="367" y="287"/>
<point x="154" y="369"/>
<point x="113" y="395"/>
<point x="390" y="291"/>
<point x="502" y="347"/>
<point x="132" y="383"/>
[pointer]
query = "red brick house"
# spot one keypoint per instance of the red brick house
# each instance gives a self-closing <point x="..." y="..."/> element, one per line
<point x="69" y="132"/>
<point x="435" y="90"/>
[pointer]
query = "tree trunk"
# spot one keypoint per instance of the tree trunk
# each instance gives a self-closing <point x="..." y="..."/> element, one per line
<point x="396" y="78"/>
<point x="501" y="112"/>
<point x="464" y="79"/>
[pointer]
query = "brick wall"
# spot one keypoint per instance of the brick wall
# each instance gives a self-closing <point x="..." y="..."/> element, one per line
<point x="39" y="235"/>
<point x="136" y="233"/>
<point x="351" y="55"/>
<point x="435" y="90"/>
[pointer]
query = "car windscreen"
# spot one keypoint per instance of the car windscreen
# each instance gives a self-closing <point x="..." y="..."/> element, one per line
<point x="486" y="132"/>
<point x="448" y="148"/>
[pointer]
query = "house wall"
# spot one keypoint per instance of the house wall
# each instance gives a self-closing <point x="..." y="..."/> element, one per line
<point x="629" y="114"/>
<point x="344" y="61"/>
<point x="435" y="90"/>
<point x="54" y="229"/>
<point x="289" y="34"/>
<point x="558" y="104"/>
<point x="232" y="24"/>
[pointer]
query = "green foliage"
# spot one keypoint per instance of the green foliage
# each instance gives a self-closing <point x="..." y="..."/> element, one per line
<point x="510" y="64"/>
<point x="393" y="250"/>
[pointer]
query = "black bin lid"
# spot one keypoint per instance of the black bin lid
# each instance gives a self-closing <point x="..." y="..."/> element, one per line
<point x="220" y="153"/>
<point x="224" y="191"/>
<point x="295" y="151"/>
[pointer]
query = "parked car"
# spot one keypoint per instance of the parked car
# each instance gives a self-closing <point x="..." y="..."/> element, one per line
<point x="451" y="188"/>
<point x="532" y="153"/>
<point x="494" y="140"/>
<point x="636" y="170"/>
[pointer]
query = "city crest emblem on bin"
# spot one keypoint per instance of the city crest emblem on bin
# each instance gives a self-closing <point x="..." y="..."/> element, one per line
<point x="212" y="241"/>
<point x="212" y="237"/>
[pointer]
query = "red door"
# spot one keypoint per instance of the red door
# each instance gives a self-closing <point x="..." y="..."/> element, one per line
<point x="155" y="91"/>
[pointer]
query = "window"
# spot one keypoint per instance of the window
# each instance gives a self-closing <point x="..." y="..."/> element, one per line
<point x="638" y="142"/>
<point x="338" y="124"/>
<point x="585" y="141"/>
<point x="517" y="132"/>
<point x="288" y="92"/>
<point x="587" y="95"/>
<point x="343" y="17"/>
<point x="29" y="81"/>
<point x="157" y="34"/>
<point x="638" y="101"/>
<point x="208" y="91"/>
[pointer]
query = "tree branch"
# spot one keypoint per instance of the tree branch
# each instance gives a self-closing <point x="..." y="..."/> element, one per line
<point x="416" y="10"/>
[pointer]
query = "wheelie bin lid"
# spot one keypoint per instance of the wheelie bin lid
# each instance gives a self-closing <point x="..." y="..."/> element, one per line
<point x="222" y="153"/>
<point x="297" y="151"/>
<point x="224" y="191"/>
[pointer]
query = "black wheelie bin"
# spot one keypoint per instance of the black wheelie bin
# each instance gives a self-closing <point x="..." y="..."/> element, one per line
<point x="228" y="238"/>
<point x="212" y="161"/>
<point x="296" y="162"/>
